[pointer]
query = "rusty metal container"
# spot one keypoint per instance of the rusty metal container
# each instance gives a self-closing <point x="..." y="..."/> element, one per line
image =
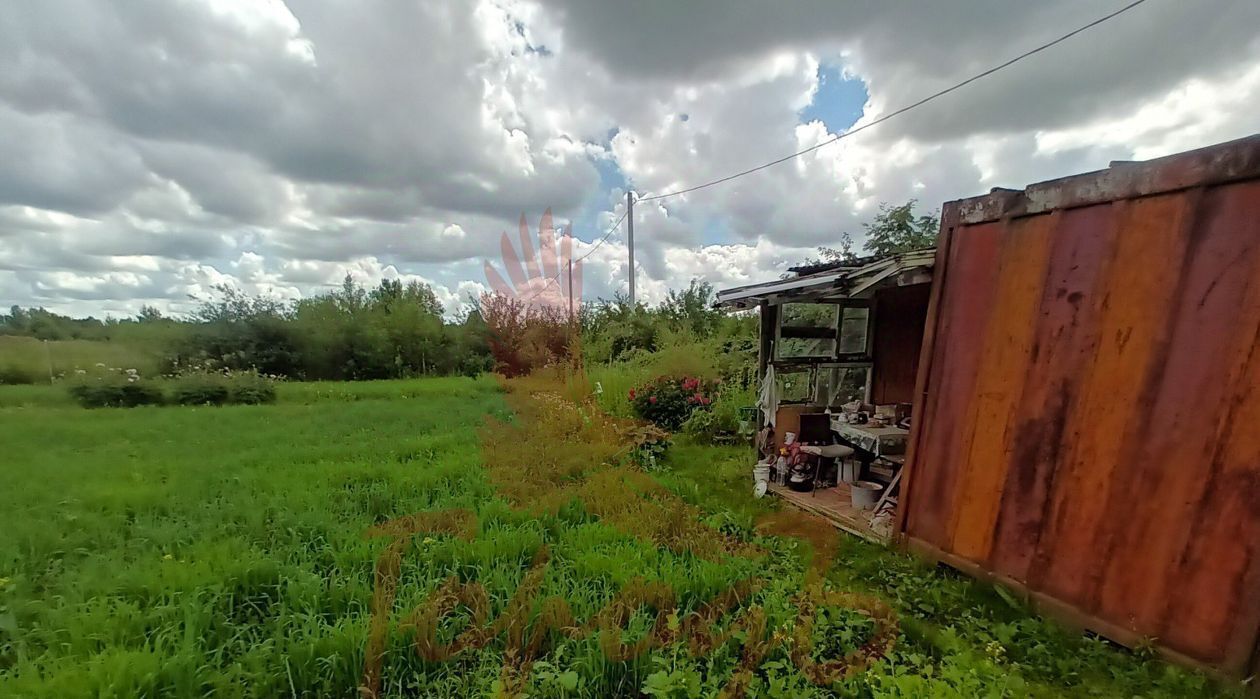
<point x="1087" y="409"/>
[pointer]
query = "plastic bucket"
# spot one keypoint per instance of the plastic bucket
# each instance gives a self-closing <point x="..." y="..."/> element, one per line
<point x="761" y="473"/>
<point x="864" y="494"/>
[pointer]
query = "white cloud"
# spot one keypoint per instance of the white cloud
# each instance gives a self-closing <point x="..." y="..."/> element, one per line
<point x="150" y="150"/>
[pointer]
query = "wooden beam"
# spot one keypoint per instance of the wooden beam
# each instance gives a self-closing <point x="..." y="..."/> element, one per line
<point x="922" y="382"/>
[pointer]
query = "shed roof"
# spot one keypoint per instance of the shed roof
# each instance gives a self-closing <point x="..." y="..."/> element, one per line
<point x="843" y="282"/>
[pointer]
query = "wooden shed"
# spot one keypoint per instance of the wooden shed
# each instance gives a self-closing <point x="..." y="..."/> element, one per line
<point x="835" y="334"/>
<point x="1087" y="405"/>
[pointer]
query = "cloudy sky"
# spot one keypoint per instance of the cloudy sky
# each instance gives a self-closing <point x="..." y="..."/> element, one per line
<point x="150" y="150"/>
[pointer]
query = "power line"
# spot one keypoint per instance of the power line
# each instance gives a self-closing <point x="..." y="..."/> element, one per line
<point x="904" y="109"/>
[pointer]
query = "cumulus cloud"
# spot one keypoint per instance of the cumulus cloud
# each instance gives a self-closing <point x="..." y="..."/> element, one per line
<point x="151" y="150"/>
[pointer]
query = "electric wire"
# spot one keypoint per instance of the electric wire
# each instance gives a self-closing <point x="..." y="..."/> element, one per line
<point x="902" y="110"/>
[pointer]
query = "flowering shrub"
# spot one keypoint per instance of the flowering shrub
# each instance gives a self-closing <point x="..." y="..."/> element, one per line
<point x="669" y="400"/>
<point x="115" y="389"/>
<point x="125" y="388"/>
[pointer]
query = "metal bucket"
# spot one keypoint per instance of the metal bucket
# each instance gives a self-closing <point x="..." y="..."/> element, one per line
<point x="864" y="494"/>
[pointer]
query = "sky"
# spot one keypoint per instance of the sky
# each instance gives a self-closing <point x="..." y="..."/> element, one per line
<point x="151" y="150"/>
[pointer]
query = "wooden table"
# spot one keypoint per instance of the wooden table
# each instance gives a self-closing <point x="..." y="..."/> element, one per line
<point x="876" y="441"/>
<point x="885" y="444"/>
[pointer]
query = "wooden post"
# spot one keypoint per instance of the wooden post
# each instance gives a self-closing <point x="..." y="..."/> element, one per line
<point x="630" y="241"/>
<point x="919" y="412"/>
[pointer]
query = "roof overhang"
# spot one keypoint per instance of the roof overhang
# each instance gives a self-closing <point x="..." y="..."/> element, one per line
<point x="904" y="268"/>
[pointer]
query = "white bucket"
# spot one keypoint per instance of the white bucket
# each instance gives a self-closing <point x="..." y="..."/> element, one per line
<point x="864" y="494"/>
<point x="761" y="472"/>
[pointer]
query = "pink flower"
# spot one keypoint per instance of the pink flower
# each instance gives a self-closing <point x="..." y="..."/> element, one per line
<point x="632" y="394"/>
<point x="652" y="399"/>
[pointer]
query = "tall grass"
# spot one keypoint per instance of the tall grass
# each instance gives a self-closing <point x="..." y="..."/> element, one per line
<point x="26" y="360"/>
<point x="194" y="551"/>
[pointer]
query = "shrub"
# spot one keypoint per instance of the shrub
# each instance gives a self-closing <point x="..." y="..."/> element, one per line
<point x="669" y="401"/>
<point x="200" y="389"/>
<point x="251" y="389"/>
<point x="721" y="423"/>
<point x="238" y="388"/>
<point x="116" y="391"/>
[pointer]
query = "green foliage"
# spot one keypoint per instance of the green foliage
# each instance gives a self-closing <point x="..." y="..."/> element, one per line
<point x="27" y="360"/>
<point x="668" y="401"/>
<point x="116" y="390"/>
<point x="195" y="552"/>
<point x="249" y="388"/>
<point x="899" y="229"/>
<point x="200" y="389"/>
<point x="393" y="330"/>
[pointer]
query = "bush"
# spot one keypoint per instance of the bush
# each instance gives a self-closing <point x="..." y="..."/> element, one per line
<point x="200" y="389"/>
<point x="669" y="401"/>
<point x="721" y="423"/>
<point x="239" y="388"/>
<point x="251" y="389"/>
<point x="116" y="392"/>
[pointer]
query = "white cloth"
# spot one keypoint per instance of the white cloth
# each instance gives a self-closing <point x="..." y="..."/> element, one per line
<point x="768" y="399"/>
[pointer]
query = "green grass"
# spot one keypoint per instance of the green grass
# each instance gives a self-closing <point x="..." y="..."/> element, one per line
<point x="26" y="360"/>
<point x="176" y="551"/>
<point x="960" y="637"/>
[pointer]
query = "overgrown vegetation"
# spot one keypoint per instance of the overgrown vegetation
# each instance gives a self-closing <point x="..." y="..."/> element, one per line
<point x="262" y="550"/>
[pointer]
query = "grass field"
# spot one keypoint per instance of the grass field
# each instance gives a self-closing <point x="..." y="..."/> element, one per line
<point x="242" y="551"/>
<point x="26" y="360"/>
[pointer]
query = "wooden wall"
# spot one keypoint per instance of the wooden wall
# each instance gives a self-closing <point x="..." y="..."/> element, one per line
<point x="900" y="313"/>
<point x="1091" y="423"/>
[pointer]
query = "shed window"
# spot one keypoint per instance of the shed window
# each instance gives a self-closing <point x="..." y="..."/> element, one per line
<point x="854" y="323"/>
<point x="824" y="331"/>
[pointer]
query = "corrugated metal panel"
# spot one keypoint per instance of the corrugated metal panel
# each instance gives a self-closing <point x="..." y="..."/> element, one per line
<point x="1088" y="425"/>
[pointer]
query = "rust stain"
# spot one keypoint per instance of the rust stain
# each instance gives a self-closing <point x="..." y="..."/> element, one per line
<point x="1007" y="349"/>
<point x="1192" y="390"/>
<point x="966" y="305"/>
<point x="1068" y="335"/>
<point x="1136" y="297"/>
<point x="1089" y="422"/>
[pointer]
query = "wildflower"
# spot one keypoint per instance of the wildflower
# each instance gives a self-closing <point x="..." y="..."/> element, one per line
<point x="995" y="650"/>
<point x="632" y="394"/>
<point x="652" y="399"/>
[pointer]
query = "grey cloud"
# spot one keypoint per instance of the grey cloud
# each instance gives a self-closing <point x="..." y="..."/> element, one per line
<point x="908" y="50"/>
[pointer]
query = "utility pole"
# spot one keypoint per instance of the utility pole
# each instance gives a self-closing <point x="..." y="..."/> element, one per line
<point x="630" y="239"/>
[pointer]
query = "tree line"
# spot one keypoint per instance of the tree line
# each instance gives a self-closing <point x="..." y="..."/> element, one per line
<point x="397" y="330"/>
